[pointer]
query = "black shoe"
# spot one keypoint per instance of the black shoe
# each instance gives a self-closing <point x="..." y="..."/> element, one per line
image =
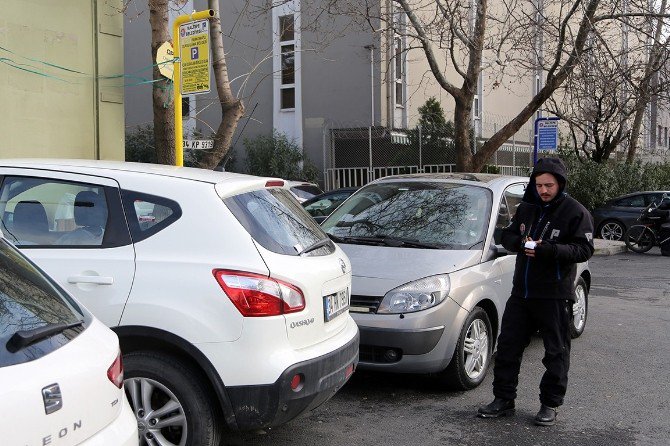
<point x="498" y="408"/>
<point x="546" y="416"/>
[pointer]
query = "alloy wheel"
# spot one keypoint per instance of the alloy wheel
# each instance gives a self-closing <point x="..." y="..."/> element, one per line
<point x="611" y="231"/>
<point x="579" y="308"/>
<point x="476" y="349"/>
<point x="160" y="416"/>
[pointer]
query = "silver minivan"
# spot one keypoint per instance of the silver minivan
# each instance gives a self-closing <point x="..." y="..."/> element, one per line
<point x="430" y="278"/>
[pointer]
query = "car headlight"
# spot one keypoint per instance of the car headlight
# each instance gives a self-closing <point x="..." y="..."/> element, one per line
<point x="416" y="296"/>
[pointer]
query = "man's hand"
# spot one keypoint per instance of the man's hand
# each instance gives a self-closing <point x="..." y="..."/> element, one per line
<point x="531" y="252"/>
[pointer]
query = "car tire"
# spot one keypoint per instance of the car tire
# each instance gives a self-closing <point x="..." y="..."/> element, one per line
<point x="159" y="383"/>
<point x="472" y="356"/>
<point x="611" y="230"/>
<point x="579" y="309"/>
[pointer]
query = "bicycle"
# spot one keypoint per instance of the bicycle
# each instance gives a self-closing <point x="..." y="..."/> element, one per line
<point x="641" y="238"/>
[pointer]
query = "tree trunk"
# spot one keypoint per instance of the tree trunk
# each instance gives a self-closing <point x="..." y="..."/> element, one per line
<point x="232" y="109"/>
<point x="462" y="139"/>
<point x="163" y="97"/>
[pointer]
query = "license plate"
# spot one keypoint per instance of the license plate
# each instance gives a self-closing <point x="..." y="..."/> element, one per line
<point x="335" y="304"/>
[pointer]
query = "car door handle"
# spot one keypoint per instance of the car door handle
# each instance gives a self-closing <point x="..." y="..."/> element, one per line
<point x="498" y="281"/>
<point x="97" y="280"/>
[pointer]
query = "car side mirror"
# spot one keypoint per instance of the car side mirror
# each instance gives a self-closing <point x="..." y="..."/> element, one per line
<point x="499" y="251"/>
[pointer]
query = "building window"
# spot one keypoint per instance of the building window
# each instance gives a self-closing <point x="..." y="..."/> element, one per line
<point x="399" y="73"/>
<point x="659" y="140"/>
<point x="475" y="106"/>
<point x="185" y="106"/>
<point x="287" y="47"/>
<point x="666" y="137"/>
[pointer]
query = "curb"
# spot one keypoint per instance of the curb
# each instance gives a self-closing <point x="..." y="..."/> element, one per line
<point x="608" y="247"/>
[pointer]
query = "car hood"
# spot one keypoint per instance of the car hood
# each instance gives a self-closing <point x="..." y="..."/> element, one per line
<point x="378" y="269"/>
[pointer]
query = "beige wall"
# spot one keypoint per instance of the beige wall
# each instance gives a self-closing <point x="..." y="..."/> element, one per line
<point x="59" y="113"/>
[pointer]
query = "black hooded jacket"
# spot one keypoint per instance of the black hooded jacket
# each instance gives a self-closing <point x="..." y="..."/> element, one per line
<point x="566" y="230"/>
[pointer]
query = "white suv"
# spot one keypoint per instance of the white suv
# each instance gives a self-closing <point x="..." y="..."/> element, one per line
<point x="60" y="368"/>
<point x="230" y="302"/>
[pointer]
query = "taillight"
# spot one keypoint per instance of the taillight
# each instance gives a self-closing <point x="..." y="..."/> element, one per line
<point x="115" y="372"/>
<point x="274" y="183"/>
<point x="255" y="295"/>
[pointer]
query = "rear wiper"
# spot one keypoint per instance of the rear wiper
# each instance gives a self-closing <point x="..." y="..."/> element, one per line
<point x="24" y="338"/>
<point x="316" y="245"/>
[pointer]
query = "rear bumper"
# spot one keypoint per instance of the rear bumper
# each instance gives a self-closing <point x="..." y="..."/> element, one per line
<point x="274" y="404"/>
<point x="122" y="431"/>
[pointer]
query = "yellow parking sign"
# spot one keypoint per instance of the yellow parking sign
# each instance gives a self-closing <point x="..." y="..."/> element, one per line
<point x="194" y="57"/>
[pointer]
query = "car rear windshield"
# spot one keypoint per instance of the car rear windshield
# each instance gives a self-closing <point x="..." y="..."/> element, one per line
<point x="306" y="191"/>
<point x="276" y="221"/>
<point x="422" y="214"/>
<point x="28" y="300"/>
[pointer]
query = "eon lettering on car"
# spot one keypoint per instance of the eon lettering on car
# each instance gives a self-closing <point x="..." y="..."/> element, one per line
<point x="302" y="323"/>
<point x="61" y="433"/>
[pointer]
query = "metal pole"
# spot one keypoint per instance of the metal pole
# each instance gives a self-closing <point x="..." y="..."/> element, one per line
<point x="420" y="148"/>
<point x="372" y="83"/>
<point x="370" y="172"/>
<point x="176" y="85"/>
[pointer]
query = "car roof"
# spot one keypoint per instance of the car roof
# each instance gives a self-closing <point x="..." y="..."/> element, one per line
<point x="102" y="168"/>
<point x="484" y="179"/>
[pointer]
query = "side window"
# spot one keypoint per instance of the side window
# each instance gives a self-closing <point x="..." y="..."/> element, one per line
<point x="508" y="205"/>
<point x="636" y="201"/>
<point x="652" y="198"/>
<point x="148" y="214"/>
<point x="49" y="212"/>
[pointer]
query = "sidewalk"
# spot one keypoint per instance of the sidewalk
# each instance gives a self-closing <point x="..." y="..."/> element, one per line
<point x="608" y="247"/>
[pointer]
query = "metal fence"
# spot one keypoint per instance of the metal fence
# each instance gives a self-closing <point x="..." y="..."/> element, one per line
<point x="355" y="156"/>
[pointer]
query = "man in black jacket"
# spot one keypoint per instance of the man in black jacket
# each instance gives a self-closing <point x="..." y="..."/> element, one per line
<point x="551" y="232"/>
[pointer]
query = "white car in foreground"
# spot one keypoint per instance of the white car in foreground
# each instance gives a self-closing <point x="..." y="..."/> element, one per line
<point x="230" y="302"/>
<point x="60" y="368"/>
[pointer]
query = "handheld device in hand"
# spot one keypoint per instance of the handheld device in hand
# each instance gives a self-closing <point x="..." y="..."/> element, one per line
<point x="530" y="244"/>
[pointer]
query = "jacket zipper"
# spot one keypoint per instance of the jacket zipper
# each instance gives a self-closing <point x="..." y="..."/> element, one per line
<point x="528" y="259"/>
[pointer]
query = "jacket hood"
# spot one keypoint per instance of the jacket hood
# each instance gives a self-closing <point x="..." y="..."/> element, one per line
<point x="553" y="166"/>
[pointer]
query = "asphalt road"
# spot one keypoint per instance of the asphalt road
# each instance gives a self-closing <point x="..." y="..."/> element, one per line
<point x="619" y="390"/>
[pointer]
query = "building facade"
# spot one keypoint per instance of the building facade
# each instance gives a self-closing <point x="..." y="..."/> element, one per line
<point x="315" y="77"/>
<point x="61" y="79"/>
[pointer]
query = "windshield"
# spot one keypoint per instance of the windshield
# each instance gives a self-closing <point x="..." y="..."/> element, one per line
<point x="278" y="222"/>
<point x="442" y="215"/>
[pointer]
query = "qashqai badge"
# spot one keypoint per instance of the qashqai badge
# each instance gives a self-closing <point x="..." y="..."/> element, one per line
<point x="343" y="266"/>
<point x="53" y="399"/>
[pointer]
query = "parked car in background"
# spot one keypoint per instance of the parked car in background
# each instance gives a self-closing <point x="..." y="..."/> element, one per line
<point x="324" y="204"/>
<point x="615" y="216"/>
<point x="302" y="190"/>
<point x="230" y="302"/>
<point x="430" y="279"/>
<point x="61" y="369"/>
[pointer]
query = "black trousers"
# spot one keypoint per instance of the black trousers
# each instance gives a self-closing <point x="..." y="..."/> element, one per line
<point x="522" y="318"/>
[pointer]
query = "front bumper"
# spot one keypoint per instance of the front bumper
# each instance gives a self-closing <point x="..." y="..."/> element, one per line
<point x="275" y="404"/>
<point x="421" y="342"/>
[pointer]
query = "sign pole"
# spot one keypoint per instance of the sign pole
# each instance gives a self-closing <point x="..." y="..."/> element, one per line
<point x="176" y="85"/>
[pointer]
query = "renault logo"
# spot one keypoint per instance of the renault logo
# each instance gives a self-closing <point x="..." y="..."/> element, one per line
<point x="53" y="400"/>
<point x="343" y="266"/>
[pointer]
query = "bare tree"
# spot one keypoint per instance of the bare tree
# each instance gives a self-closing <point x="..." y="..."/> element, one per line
<point x="232" y="108"/>
<point x="506" y="40"/>
<point x="609" y="91"/>
<point x="657" y="59"/>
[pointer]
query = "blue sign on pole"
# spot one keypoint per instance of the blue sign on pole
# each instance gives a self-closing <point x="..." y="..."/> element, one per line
<point x="546" y="135"/>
